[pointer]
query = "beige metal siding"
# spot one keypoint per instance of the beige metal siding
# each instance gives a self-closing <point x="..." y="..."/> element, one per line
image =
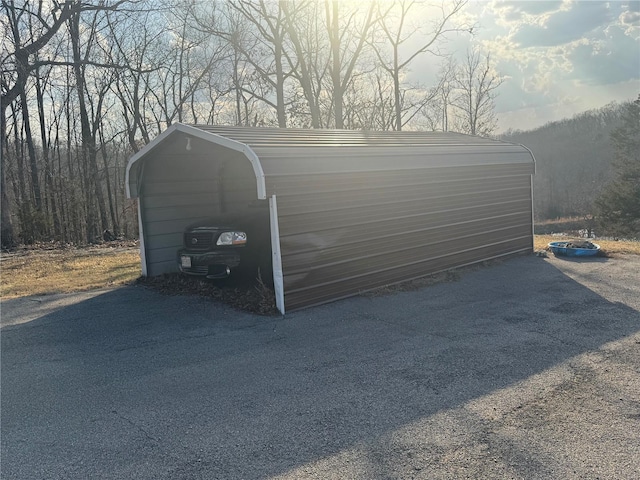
<point x="181" y="187"/>
<point x="171" y="201"/>
<point x="339" y="238"/>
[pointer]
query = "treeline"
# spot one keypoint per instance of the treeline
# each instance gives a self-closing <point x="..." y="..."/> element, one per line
<point x="573" y="162"/>
<point x="86" y="84"/>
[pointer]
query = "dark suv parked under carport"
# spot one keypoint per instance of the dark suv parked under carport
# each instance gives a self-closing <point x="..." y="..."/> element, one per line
<point x="232" y="244"/>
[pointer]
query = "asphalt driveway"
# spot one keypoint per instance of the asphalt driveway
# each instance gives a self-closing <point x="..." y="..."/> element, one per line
<point x="526" y="369"/>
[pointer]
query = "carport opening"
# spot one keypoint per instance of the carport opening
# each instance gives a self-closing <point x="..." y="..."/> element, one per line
<point x="235" y="245"/>
<point x="232" y="244"/>
<point x="186" y="177"/>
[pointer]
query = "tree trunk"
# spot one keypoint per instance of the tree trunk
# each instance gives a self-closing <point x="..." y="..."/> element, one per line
<point x="280" y="109"/>
<point x="335" y="71"/>
<point x="7" y="239"/>
<point x="21" y="193"/>
<point x="89" y="151"/>
<point x="48" y="173"/>
<point x="112" y="211"/>
<point x="396" y="89"/>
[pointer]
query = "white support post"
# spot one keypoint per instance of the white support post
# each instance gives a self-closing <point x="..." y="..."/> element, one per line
<point x="278" y="282"/>
<point x="143" y="253"/>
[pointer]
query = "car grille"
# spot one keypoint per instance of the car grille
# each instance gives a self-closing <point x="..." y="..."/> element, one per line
<point x="198" y="240"/>
<point x="197" y="270"/>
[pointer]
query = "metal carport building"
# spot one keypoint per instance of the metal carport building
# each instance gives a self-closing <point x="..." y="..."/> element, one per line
<point x="350" y="210"/>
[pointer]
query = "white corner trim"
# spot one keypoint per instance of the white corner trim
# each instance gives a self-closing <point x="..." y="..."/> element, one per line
<point x="144" y="151"/>
<point x="143" y="253"/>
<point x="209" y="137"/>
<point x="257" y="170"/>
<point x="533" y="218"/>
<point x="533" y="159"/>
<point x="278" y="281"/>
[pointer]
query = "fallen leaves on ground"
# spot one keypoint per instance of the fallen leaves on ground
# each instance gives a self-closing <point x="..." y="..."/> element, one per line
<point x="254" y="297"/>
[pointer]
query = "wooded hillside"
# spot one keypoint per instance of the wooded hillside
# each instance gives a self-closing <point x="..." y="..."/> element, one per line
<point x="573" y="161"/>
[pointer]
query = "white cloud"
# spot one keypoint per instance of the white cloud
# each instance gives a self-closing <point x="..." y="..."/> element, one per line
<point x="563" y="26"/>
<point x="510" y="12"/>
<point x="558" y="58"/>
<point x="531" y="7"/>
<point x="630" y="19"/>
<point x="612" y="58"/>
<point x="568" y="100"/>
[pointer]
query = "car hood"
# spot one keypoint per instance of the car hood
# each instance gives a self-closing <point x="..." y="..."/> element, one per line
<point x="235" y="221"/>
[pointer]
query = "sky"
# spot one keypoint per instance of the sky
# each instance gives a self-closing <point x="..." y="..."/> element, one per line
<point x="558" y="58"/>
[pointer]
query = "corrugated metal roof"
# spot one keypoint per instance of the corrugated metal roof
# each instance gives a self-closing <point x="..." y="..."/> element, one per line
<point x="260" y="136"/>
<point x="285" y="152"/>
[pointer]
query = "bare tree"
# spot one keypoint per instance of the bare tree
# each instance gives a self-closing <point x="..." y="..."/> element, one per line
<point x="44" y="21"/>
<point x="270" y="26"/>
<point x="41" y="83"/>
<point x="137" y="52"/>
<point x="383" y="114"/>
<point x="347" y="32"/>
<point x="476" y="83"/>
<point x="397" y="30"/>
<point x="247" y="83"/>
<point x="19" y="19"/>
<point x="81" y="52"/>
<point x="309" y="57"/>
<point x="189" y="57"/>
<point x="254" y="32"/>
<point x="444" y="96"/>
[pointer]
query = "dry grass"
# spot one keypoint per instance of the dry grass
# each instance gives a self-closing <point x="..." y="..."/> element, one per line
<point x="609" y="247"/>
<point x="40" y="271"/>
<point x="43" y="271"/>
<point x="46" y="270"/>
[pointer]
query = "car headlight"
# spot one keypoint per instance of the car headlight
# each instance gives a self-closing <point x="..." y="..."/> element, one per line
<point x="232" y="238"/>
